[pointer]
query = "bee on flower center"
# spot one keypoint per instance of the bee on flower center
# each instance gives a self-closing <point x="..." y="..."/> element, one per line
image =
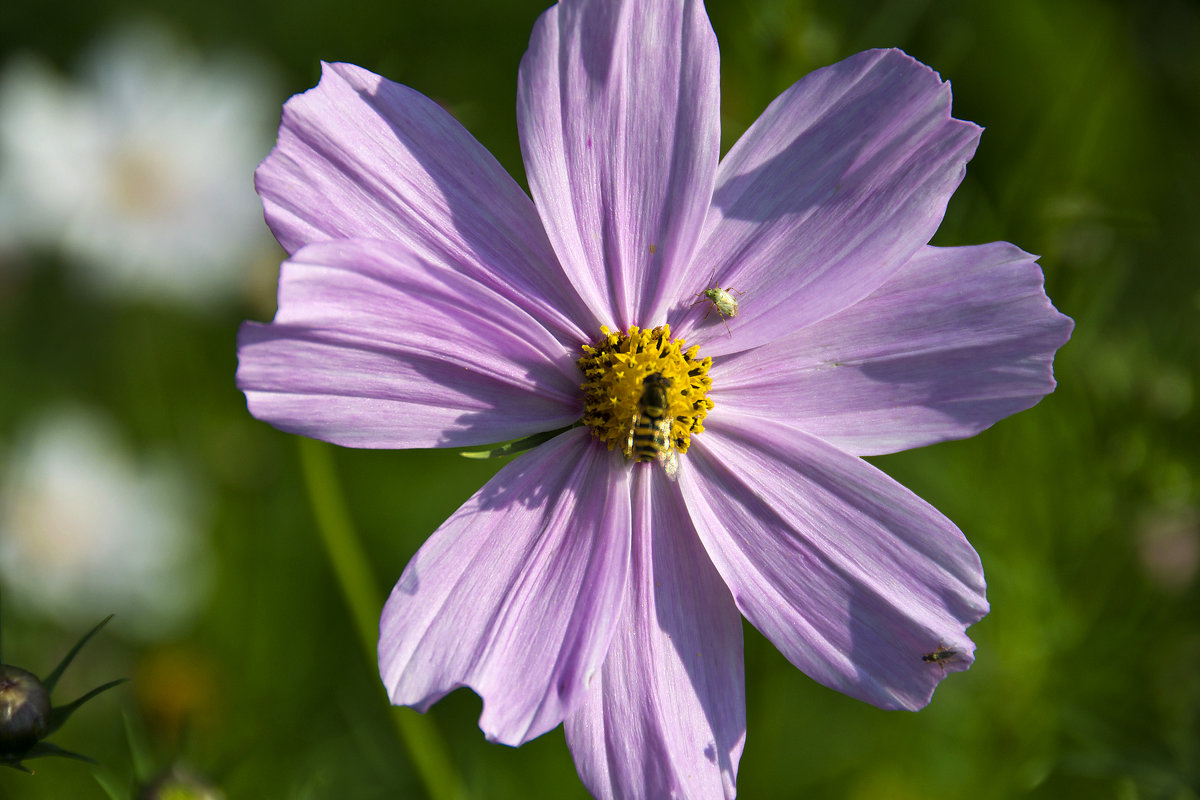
<point x="722" y="301"/>
<point x="645" y="393"/>
<point x="650" y="431"/>
<point x="940" y="656"/>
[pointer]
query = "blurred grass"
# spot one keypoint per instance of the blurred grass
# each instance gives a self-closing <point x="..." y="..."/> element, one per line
<point x="1087" y="683"/>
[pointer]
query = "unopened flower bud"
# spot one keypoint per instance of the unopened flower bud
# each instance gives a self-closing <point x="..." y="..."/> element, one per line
<point x="24" y="709"/>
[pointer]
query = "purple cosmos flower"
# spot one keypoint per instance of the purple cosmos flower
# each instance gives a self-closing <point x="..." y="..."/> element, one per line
<point x="428" y="302"/>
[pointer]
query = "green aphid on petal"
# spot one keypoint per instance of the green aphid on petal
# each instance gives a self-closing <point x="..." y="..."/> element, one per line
<point x="722" y="301"/>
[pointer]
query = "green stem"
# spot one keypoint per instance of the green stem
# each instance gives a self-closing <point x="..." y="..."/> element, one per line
<point x="417" y="732"/>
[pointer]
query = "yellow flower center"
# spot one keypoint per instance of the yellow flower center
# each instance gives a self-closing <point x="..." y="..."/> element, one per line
<point x="618" y="397"/>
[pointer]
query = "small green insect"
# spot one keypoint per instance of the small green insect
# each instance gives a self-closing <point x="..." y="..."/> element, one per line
<point x="941" y="656"/>
<point x="723" y="301"/>
<point x="650" y="433"/>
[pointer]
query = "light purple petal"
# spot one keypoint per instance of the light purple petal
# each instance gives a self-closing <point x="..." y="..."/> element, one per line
<point x="618" y="110"/>
<point x="852" y="576"/>
<point x="956" y="340"/>
<point x="667" y="718"/>
<point x="839" y="182"/>
<point x="362" y="157"/>
<point x="374" y="347"/>
<point x="517" y="594"/>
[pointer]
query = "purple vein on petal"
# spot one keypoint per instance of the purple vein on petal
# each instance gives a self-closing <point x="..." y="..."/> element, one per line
<point x="833" y="188"/>
<point x="517" y="594"/>
<point x="853" y="577"/>
<point x="667" y="718"/>
<point x="359" y="156"/>
<point x="372" y="347"/>
<point x="618" y="109"/>
<point x="956" y="340"/>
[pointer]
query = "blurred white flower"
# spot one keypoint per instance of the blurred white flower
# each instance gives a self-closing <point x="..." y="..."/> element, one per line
<point x="141" y="173"/>
<point x="85" y="531"/>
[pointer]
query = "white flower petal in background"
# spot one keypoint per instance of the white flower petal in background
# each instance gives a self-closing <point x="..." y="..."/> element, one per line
<point x="139" y="172"/>
<point x="85" y="530"/>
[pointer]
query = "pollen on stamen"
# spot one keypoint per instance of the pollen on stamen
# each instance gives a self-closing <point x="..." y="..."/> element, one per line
<point x="615" y="369"/>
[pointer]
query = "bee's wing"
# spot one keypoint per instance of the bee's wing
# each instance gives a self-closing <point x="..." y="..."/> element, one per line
<point x="667" y="456"/>
<point x="670" y="463"/>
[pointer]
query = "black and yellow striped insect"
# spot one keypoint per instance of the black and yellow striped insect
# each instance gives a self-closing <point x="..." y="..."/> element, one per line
<point x="650" y="431"/>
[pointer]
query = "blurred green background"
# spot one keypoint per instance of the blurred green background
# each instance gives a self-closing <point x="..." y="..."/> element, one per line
<point x="1084" y="509"/>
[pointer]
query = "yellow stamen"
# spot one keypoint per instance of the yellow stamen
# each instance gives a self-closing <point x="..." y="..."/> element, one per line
<point x="615" y="369"/>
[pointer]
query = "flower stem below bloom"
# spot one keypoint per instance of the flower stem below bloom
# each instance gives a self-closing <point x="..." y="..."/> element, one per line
<point x="418" y="733"/>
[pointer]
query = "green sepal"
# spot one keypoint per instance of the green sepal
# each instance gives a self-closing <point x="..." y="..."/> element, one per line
<point x="39" y="750"/>
<point x="516" y="445"/>
<point x="50" y="680"/>
<point x="111" y="788"/>
<point x="59" y="714"/>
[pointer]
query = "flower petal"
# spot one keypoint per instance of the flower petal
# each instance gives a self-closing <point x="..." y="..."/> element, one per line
<point x="362" y="157"/>
<point x="618" y="110"/>
<point x="957" y="339"/>
<point x="375" y="347"/>
<point x="853" y="577"/>
<point x="668" y="716"/>
<point x="836" y="185"/>
<point x="517" y="594"/>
